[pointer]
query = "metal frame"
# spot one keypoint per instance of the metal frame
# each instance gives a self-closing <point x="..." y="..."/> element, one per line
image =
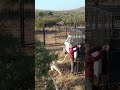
<point x="22" y="24"/>
<point x="22" y="21"/>
<point x="110" y="29"/>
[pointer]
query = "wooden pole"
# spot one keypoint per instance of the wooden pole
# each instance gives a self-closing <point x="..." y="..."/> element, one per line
<point x="44" y="35"/>
<point x="74" y="25"/>
<point x="66" y="30"/>
<point x="55" y="34"/>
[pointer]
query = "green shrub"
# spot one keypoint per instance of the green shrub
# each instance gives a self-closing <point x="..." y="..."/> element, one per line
<point x="42" y="59"/>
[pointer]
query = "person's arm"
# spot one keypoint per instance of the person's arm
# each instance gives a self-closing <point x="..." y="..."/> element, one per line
<point x="101" y="53"/>
<point x="92" y="59"/>
<point x="98" y="56"/>
<point x="95" y="49"/>
<point x="75" y="49"/>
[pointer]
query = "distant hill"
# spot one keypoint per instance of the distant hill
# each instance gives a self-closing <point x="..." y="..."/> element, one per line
<point x="81" y="9"/>
<point x="67" y="16"/>
<point x="78" y="9"/>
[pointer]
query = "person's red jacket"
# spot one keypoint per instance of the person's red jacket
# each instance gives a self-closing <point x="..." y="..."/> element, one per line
<point x="71" y="52"/>
<point x="89" y="62"/>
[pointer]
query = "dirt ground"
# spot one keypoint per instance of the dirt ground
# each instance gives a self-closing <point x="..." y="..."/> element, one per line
<point x="66" y="81"/>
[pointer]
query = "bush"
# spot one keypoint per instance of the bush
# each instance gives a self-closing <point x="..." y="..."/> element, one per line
<point x="52" y="17"/>
<point x="42" y="59"/>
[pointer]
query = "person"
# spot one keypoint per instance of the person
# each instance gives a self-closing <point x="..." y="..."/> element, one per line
<point x="104" y="61"/>
<point x="89" y="62"/>
<point x="81" y="52"/>
<point x="80" y="56"/>
<point x="71" y="54"/>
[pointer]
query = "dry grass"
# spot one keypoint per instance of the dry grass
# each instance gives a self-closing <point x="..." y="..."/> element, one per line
<point x="68" y="81"/>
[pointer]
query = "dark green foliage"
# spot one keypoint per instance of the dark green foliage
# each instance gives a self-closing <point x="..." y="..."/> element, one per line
<point x="50" y="85"/>
<point x="42" y="59"/>
<point x="46" y="17"/>
<point x="43" y="14"/>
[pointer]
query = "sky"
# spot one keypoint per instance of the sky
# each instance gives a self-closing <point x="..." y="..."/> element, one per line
<point x="59" y="5"/>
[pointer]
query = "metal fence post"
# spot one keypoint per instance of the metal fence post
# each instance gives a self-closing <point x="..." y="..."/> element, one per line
<point x="22" y="21"/>
<point x="55" y="34"/>
<point x="66" y="30"/>
<point x="74" y="25"/>
<point x="44" y="35"/>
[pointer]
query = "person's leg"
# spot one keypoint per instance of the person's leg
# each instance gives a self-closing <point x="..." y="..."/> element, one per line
<point x="72" y="65"/>
<point x="89" y="83"/>
<point x="79" y="67"/>
<point x="75" y="67"/>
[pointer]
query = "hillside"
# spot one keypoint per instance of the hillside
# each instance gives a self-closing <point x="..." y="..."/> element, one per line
<point x="67" y="16"/>
<point x="81" y="9"/>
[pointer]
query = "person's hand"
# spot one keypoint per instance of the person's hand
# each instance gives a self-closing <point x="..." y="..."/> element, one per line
<point x="75" y="60"/>
<point x="79" y="46"/>
<point x="84" y="64"/>
<point x="107" y="47"/>
<point x="104" y="47"/>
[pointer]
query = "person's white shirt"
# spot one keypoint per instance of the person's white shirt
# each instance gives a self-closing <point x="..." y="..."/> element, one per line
<point x="75" y="53"/>
<point x="97" y="65"/>
<point x="67" y="46"/>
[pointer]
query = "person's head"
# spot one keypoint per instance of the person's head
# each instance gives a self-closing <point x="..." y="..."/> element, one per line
<point x="103" y="47"/>
<point x="87" y="47"/>
<point x="107" y="47"/>
<point x="79" y="45"/>
<point x="70" y="45"/>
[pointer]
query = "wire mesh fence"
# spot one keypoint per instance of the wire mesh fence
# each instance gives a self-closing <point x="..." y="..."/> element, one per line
<point x="99" y="25"/>
<point x="54" y="37"/>
<point x="55" y="34"/>
<point x="102" y="27"/>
